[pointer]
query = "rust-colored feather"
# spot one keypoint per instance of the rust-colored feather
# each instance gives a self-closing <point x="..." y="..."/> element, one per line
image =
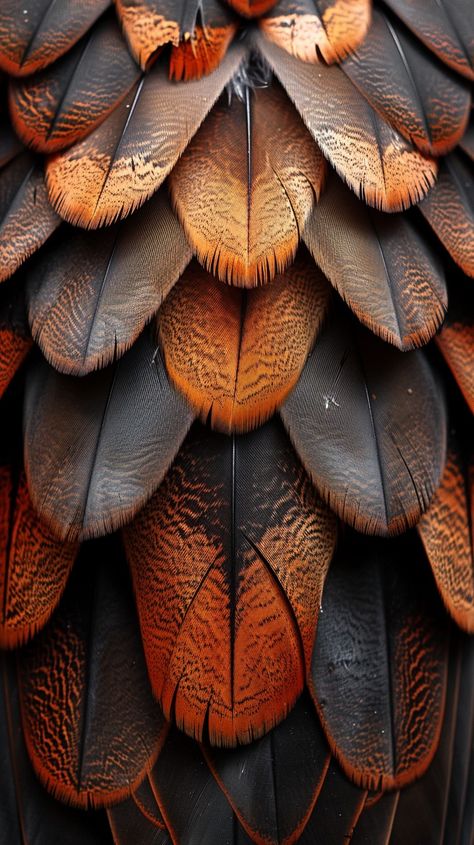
<point x="246" y="349"/>
<point x="251" y="8"/>
<point x="228" y="561"/>
<point x="446" y="532"/>
<point x="311" y="29"/>
<point x="124" y="161"/>
<point x="202" y="53"/>
<point x="456" y="342"/>
<point x="380" y="265"/>
<point x="84" y="692"/>
<point x="15" y="337"/>
<point x="34" y="34"/>
<point x="246" y="184"/>
<point x="373" y="158"/>
<point x="34" y="565"/>
<point x="60" y="105"/>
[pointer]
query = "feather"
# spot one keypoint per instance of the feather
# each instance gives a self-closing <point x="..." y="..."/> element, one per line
<point x="380" y="265"/>
<point x="84" y="691"/>
<point x="62" y="104"/>
<point x="462" y="748"/>
<point x="247" y="348"/>
<point x="32" y="37"/>
<point x="336" y="811"/>
<point x="421" y="810"/>
<point x="243" y="191"/>
<point x="203" y="52"/>
<point x="26" y="217"/>
<point x="28" y="814"/>
<point x="373" y="158"/>
<point x="228" y="562"/>
<point x="251" y="8"/>
<point x="205" y="25"/>
<point x="128" y="825"/>
<point x="274" y="783"/>
<point x="379" y="666"/>
<point x="446" y="532"/>
<point x="34" y="565"/>
<point x="425" y="101"/>
<point x="97" y="447"/>
<point x="467" y="140"/>
<point x="145" y="799"/>
<point x="194" y="808"/>
<point x="449" y="209"/>
<point x="456" y="340"/>
<point x="312" y="30"/>
<point x="124" y="161"/>
<point x="15" y="338"/>
<point x="91" y="294"/>
<point x="369" y="424"/>
<point x="10" y="146"/>
<point x="375" y="824"/>
<point x="444" y="26"/>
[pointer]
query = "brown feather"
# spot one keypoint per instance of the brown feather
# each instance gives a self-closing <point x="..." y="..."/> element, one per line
<point x="456" y="342"/>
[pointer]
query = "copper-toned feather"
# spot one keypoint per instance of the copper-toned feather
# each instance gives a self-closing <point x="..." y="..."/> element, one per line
<point x="84" y="691"/>
<point x="315" y="29"/>
<point x="58" y="106"/>
<point x="97" y="447"/>
<point x="379" y="666"/>
<point x="456" y="342"/>
<point x="90" y="294"/>
<point x="372" y="157"/>
<point x="449" y="209"/>
<point x="34" y="565"/>
<point x="228" y="561"/>
<point x="34" y="34"/>
<point x="199" y="30"/>
<point x="375" y="823"/>
<point x="246" y="349"/>
<point x="26" y="217"/>
<point x="274" y="783"/>
<point x="380" y="265"/>
<point x="445" y="26"/>
<point x="446" y="532"/>
<point x="423" y="99"/>
<point x="15" y="337"/>
<point x="336" y="811"/>
<point x="129" y="825"/>
<point x="246" y="184"/>
<point x="124" y="161"/>
<point x="369" y="423"/>
<point x="251" y="8"/>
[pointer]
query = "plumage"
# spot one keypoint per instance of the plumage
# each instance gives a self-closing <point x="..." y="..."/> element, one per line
<point x="34" y="34"/>
<point x="312" y="30"/>
<point x="228" y="561"/>
<point x="467" y="140"/>
<point x="104" y="709"/>
<point x="124" y="161"/>
<point x="10" y="145"/>
<point x="97" y="447"/>
<point x="274" y="784"/>
<point x="34" y="565"/>
<point x="243" y="190"/>
<point x="425" y="101"/>
<point x="462" y="749"/>
<point x="379" y="666"/>
<point x="15" y="338"/>
<point x="63" y="103"/>
<point x="26" y="218"/>
<point x="145" y="799"/>
<point x="336" y="811"/>
<point x="129" y="825"/>
<point x="446" y="532"/>
<point x="375" y="823"/>
<point x="456" y="340"/>
<point x="91" y="294"/>
<point x="449" y="209"/>
<point x="251" y="8"/>
<point x="445" y="27"/>
<point x="372" y="157"/>
<point x="369" y="424"/>
<point x="248" y="348"/>
<point x="380" y="265"/>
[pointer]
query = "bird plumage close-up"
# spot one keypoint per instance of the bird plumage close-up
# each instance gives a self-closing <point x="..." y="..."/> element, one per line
<point x="237" y="445"/>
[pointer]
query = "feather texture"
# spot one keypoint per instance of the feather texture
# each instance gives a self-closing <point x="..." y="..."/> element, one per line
<point x="97" y="447"/>
<point x="58" y="106"/>
<point x="228" y="561"/>
<point x="84" y="691"/>
<point x="374" y="826"/>
<point x="311" y="29"/>
<point x="37" y="35"/>
<point x="336" y="811"/>
<point x="129" y="825"/>
<point x="369" y="424"/>
<point x="380" y="265"/>
<point x="246" y="184"/>
<point x="247" y="348"/>
<point x="379" y="667"/>
<point x="124" y="161"/>
<point x="456" y="339"/>
<point x="15" y="338"/>
<point x="91" y="294"/>
<point x="372" y="157"/>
